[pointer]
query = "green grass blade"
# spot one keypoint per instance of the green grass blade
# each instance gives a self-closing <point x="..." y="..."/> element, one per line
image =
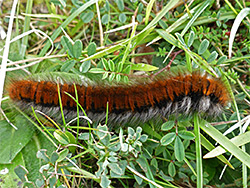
<point x="148" y="10"/>
<point x="240" y="140"/>
<point x="26" y="28"/>
<point x="163" y="12"/>
<point x="129" y="48"/>
<point x="226" y="143"/>
<point x="196" y="15"/>
<point x="243" y="13"/>
<point x="178" y="23"/>
<point x="205" y="143"/>
<point x="199" y="169"/>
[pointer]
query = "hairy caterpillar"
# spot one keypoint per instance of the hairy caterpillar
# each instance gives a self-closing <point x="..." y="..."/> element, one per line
<point x="144" y="99"/>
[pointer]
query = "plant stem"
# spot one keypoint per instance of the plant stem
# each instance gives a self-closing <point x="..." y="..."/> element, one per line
<point x="199" y="170"/>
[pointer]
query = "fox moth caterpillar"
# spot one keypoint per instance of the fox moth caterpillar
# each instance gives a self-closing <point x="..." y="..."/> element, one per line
<point x="138" y="101"/>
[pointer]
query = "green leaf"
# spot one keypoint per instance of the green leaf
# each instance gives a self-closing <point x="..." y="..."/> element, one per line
<point x="54" y="157"/>
<point x="85" y="66"/>
<point x="179" y="149"/>
<point x="190" y="38"/>
<point x="105" y="75"/>
<point x="7" y="172"/>
<point x="125" y="79"/>
<point x="68" y="65"/>
<point x="143" y="138"/>
<point x="103" y="134"/>
<point x="137" y="178"/>
<point x="118" y="77"/>
<point x="77" y="49"/>
<point x="32" y="163"/>
<point x="143" y="67"/>
<point x="40" y="183"/>
<point x="165" y="177"/>
<point x="180" y="38"/>
<point x="41" y="154"/>
<point x="21" y="172"/>
<point x="111" y="65"/>
<point x="87" y="16"/>
<point x="84" y="136"/>
<point x="139" y="18"/>
<point x="105" y="19"/>
<point x="167" y="125"/>
<point x="119" y="67"/>
<point x="115" y="168"/>
<point x="105" y="182"/>
<point x="140" y="7"/>
<point x="168" y="138"/>
<point x="103" y="131"/>
<point x="222" y="59"/>
<point x="106" y="6"/>
<point x="97" y="70"/>
<point x="44" y="168"/>
<point x="159" y="150"/>
<point x="71" y="137"/>
<point x="203" y="46"/>
<point x="52" y="182"/>
<point x="91" y="49"/>
<point x="212" y="57"/>
<point x="131" y="131"/>
<point x="186" y="135"/>
<point x="62" y="155"/>
<point x="122" y="18"/>
<point x="111" y="76"/>
<point x="154" y="163"/>
<point x="28" y="184"/>
<point x="10" y="137"/>
<point x="120" y="4"/>
<point x="127" y="69"/>
<point x="101" y="167"/>
<point x="143" y="163"/>
<point x="61" y="137"/>
<point x="106" y="140"/>
<point x="171" y="169"/>
<point x="105" y="64"/>
<point x="67" y="45"/>
<point x="113" y="159"/>
<point x="139" y="130"/>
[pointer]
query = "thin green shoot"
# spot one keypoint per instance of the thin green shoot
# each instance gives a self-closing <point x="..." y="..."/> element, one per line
<point x="77" y="110"/>
<point x="60" y="103"/>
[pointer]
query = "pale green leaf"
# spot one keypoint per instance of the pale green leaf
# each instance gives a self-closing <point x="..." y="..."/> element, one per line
<point x="179" y="149"/>
<point x="168" y="138"/>
<point x="143" y="67"/>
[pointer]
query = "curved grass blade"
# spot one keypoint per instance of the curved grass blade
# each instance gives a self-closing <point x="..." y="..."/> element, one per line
<point x="243" y="13"/>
